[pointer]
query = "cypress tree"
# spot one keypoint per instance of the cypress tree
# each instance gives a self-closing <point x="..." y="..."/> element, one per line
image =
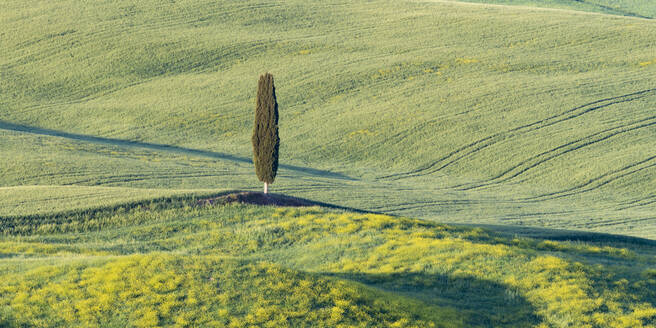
<point x="265" y="132"/>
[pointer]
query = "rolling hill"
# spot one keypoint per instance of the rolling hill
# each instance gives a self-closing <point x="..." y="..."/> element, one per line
<point x="236" y="265"/>
<point x="442" y="110"/>
<point x="512" y="131"/>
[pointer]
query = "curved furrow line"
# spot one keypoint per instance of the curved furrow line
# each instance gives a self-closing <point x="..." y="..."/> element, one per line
<point x="298" y="189"/>
<point x="401" y="135"/>
<point x="419" y="171"/>
<point x="407" y="132"/>
<point x="108" y="32"/>
<point x="149" y="176"/>
<point x="617" y="11"/>
<point x="523" y="217"/>
<point x="87" y="195"/>
<point x="85" y="97"/>
<point x="293" y="183"/>
<point x="116" y="31"/>
<point x="574" y="113"/>
<point x="613" y="222"/>
<point x="546" y="156"/>
<point x="314" y="182"/>
<point x="49" y="51"/>
<point x="115" y="28"/>
<point x="597" y="182"/>
<point x="431" y="203"/>
<point x="639" y="203"/>
<point x="483" y="143"/>
<point x="197" y="14"/>
<point x="143" y="176"/>
<point x="372" y="85"/>
<point x="417" y="206"/>
<point x="638" y="200"/>
<point x="61" y="175"/>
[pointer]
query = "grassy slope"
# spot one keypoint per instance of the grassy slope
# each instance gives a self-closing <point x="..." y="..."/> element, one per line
<point x="47" y="200"/>
<point x="630" y="8"/>
<point x="453" y="112"/>
<point x="242" y="265"/>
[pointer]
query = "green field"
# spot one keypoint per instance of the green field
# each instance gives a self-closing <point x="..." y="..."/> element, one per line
<point x="237" y="266"/>
<point x="629" y="8"/>
<point x="535" y="119"/>
<point x="441" y="110"/>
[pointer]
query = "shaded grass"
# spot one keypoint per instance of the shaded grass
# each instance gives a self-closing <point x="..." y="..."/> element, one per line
<point x="106" y="216"/>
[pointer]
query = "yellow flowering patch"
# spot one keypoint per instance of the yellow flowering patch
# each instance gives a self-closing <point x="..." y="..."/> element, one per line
<point x="41" y="249"/>
<point x="242" y="266"/>
<point x="363" y="132"/>
<point x="178" y="291"/>
<point x="467" y="60"/>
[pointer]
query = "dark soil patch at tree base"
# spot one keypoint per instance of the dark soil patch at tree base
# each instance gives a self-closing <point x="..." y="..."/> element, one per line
<point x="259" y="198"/>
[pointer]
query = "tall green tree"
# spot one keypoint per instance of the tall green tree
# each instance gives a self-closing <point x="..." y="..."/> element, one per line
<point x="265" y="132"/>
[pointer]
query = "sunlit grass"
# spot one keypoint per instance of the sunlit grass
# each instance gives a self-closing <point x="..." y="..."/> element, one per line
<point x="30" y="200"/>
<point x="441" y="110"/>
<point x="241" y="265"/>
<point x="160" y="289"/>
<point x="115" y="117"/>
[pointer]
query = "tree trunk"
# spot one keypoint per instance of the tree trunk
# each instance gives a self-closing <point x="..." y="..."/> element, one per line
<point x="266" y="188"/>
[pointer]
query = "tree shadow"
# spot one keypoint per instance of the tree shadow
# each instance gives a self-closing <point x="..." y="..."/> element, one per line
<point x="482" y="303"/>
<point x="161" y="147"/>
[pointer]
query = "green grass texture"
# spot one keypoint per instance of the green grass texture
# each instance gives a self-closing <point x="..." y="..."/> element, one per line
<point x="630" y="8"/>
<point x="244" y="266"/>
<point x="448" y="111"/>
